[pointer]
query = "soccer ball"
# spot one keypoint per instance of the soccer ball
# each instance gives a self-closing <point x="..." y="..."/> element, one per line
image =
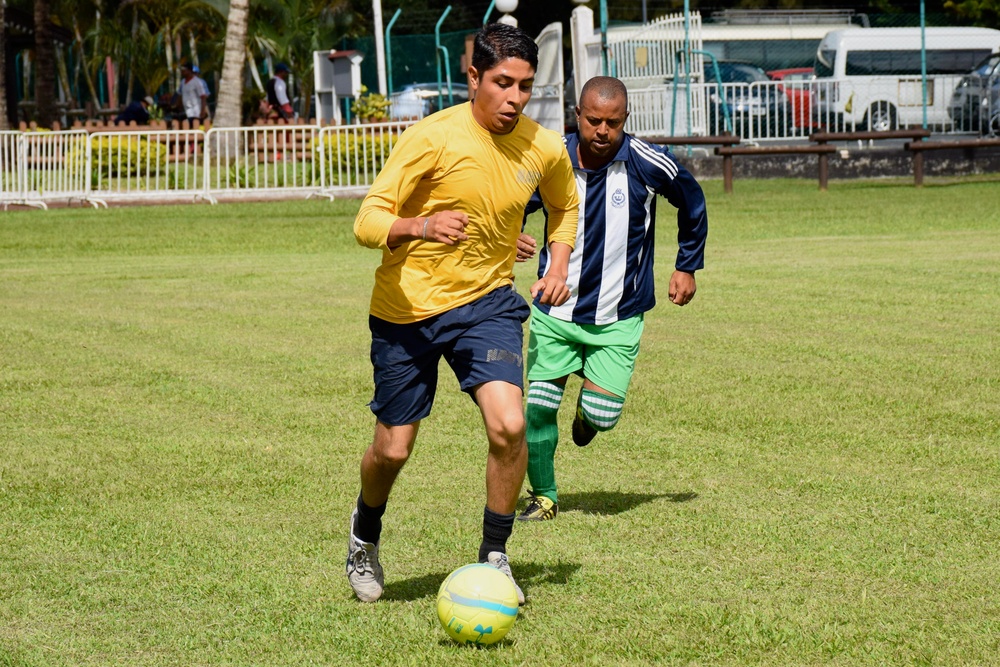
<point x="477" y="604"/>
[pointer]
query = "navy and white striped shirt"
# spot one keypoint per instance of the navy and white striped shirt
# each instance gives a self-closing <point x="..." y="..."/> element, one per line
<point x="611" y="267"/>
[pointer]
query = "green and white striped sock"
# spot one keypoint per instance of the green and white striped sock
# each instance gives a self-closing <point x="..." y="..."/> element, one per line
<point x="601" y="411"/>
<point x="543" y="436"/>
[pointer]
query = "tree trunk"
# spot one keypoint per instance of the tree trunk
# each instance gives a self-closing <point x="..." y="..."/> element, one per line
<point x="168" y="51"/>
<point x="131" y="58"/>
<point x="228" y="108"/>
<point x="45" y="67"/>
<point x="64" y="79"/>
<point x="82" y="60"/>
<point x="4" y="121"/>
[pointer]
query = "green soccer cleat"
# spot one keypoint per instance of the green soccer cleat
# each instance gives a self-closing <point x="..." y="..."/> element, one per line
<point x="539" y="508"/>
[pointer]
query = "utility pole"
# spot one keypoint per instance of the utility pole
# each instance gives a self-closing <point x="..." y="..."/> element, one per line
<point x="379" y="47"/>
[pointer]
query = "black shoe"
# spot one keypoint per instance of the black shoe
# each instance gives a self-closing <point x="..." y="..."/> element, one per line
<point x="583" y="432"/>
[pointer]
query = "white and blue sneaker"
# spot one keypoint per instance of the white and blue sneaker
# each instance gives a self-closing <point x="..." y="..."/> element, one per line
<point x="498" y="559"/>
<point x="363" y="569"/>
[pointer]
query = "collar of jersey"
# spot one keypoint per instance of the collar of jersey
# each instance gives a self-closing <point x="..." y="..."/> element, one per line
<point x="573" y="141"/>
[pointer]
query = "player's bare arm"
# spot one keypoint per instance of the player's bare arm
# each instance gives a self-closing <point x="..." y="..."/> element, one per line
<point x="552" y="286"/>
<point x="446" y="227"/>
<point x="682" y="288"/>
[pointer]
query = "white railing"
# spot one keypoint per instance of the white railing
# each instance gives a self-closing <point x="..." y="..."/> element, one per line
<point x="351" y="156"/>
<point x="12" y="169"/>
<point x="263" y="160"/>
<point x="882" y="103"/>
<point x="56" y="164"/>
<point x="769" y="111"/>
<point x="273" y="160"/>
<point x="755" y="112"/>
<point x="146" y="165"/>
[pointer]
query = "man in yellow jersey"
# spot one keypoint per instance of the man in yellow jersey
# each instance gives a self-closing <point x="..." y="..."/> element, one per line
<point x="446" y="212"/>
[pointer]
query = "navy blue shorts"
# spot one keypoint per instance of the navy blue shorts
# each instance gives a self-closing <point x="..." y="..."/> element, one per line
<point x="482" y="342"/>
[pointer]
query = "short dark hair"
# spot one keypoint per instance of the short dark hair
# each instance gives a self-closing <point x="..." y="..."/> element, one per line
<point x="499" y="41"/>
<point x="606" y="87"/>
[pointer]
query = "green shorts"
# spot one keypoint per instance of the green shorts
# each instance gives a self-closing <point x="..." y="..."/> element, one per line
<point x="603" y="353"/>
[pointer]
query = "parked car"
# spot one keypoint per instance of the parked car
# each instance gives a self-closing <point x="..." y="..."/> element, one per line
<point x="975" y="104"/>
<point x="795" y="84"/>
<point x="416" y="100"/>
<point x="755" y="106"/>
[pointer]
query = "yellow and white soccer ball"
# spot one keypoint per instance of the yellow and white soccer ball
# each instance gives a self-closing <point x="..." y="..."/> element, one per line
<point x="477" y="604"/>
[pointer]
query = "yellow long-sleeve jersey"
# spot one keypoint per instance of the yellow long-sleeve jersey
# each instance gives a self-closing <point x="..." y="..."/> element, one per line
<point x="449" y="162"/>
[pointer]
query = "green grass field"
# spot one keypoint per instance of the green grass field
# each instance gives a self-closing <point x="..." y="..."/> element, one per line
<point x="807" y="470"/>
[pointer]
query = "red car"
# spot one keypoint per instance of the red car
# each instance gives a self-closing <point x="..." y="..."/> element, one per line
<point x="795" y="83"/>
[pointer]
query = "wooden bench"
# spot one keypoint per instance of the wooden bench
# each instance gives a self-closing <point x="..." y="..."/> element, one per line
<point x="823" y="150"/>
<point x="723" y="140"/>
<point x="822" y="146"/>
<point x="914" y="135"/>
<point x="918" y="148"/>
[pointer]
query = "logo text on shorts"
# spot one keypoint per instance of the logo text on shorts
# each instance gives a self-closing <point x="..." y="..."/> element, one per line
<point x="505" y="356"/>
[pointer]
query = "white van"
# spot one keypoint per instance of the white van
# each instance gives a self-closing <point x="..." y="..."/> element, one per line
<point x="869" y="78"/>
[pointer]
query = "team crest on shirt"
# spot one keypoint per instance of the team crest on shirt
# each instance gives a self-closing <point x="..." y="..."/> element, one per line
<point x="618" y="198"/>
<point x="529" y="177"/>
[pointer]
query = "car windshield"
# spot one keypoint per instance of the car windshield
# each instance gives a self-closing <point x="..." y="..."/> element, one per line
<point x="432" y="89"/>
<point x="824" y="62"/>
<point x="736" y="73"/>
<point x="988" y="66"/>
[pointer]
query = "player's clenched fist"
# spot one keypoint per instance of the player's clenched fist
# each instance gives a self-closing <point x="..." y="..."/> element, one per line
<point x="446" y="227"/>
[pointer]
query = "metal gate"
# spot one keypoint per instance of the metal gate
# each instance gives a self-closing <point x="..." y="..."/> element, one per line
<point x="547" y="104"/>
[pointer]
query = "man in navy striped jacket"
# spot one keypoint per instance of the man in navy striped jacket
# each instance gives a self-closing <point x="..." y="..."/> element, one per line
<point x="596" y="332"/>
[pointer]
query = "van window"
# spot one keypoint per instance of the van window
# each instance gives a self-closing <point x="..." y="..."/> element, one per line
<point x="824" y="62"/>
<point x="954" y="61"/>
<point x="943" y="61"/>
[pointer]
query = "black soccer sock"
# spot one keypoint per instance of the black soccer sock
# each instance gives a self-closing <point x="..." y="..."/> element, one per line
<point x="368" y="527"/>
<point x="496" y="529"/>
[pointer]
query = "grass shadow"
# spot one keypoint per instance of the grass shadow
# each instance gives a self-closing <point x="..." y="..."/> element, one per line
<point x="528" y="574"/>
<point x="615" y="502"/>
<point x="415" y="588"/>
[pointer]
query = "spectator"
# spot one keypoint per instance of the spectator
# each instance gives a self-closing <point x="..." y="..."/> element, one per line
<point x="278" y="103"/>
<point x="137" y="111"/>
<point x="193" y="93"/>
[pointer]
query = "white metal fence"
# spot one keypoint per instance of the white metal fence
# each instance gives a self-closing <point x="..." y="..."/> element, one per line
<point x="772" y="111"/>
<point x="237" y="163"/>
<point x="36" y="166"/>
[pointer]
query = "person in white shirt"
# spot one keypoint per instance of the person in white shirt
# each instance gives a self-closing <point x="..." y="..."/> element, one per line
<point x="193" y="92"/>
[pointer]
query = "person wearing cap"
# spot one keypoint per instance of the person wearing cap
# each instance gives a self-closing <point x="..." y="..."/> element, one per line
<point x="193" y="92"/>
<point x="137" y="111"/>
<point x="277" y="94"/>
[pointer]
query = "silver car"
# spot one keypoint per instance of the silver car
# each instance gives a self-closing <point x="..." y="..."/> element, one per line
<point x="417" y="100"/>
<point x="975" y="104"/>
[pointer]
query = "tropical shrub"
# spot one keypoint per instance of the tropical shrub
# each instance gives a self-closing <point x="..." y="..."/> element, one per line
<point x="354" y="159"/>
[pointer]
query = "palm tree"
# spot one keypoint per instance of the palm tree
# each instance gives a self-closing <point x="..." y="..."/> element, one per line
<point x="45" y="66"/>
<point x="228" y="109"/>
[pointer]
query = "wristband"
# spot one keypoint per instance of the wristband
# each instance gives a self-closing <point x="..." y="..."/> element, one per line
<point x="423" y="235"/>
